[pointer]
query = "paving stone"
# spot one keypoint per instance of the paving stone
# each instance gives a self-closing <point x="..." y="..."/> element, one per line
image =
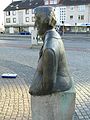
<point x="14" y="96"/>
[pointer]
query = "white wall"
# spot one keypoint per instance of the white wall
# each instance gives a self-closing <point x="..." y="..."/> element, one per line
<point x="75" y="12"/>
<point x="57" y="10"/>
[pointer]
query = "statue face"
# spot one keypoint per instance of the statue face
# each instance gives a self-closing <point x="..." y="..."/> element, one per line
<point x="40" y="26"/>
<point x="44" y="18"/>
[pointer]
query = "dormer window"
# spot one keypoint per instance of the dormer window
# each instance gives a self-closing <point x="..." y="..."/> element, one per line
<point x="36" y="3"/>
<point x="17" y="6"/>
<point x="30" y="4"/>
<point x="11" y="5"/>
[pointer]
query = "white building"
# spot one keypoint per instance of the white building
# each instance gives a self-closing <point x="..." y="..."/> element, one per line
<point x="49" y="2"/>
<point x="60" y="14"/>
<point x="73" y="15"/>
<point x="19" y="16"/>
<point x="77" y="15"/>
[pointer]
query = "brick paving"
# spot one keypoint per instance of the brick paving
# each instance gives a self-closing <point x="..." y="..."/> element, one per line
<point x="14" y="96"/>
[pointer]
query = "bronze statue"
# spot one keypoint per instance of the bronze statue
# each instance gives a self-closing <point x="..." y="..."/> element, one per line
<point x="52" y="73"/>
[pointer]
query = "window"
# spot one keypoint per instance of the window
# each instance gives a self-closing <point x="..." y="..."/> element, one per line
<point x="8" y="13"/>
<point x="14" y="20"/>
<point x="46" y="2"/>
<point x="13" y="12"/>
<point x="50" y="2"/>
<point x="27" y="11"/>
<point x="71" y="17"/>
<point x="32" y="11"/>
<point x="7" y="20"/>
<point x="81" y="8"/>
<point x="33" y="19"/>
<point x="71" y="7"/>
<point x="53" y="1"/>
<point x="27" y="19"/>
<point x="80" y="17"/>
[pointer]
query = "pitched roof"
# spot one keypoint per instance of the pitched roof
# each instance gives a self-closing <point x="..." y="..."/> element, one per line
<point x="74" y="2"/>
<point x="26" y="4"/>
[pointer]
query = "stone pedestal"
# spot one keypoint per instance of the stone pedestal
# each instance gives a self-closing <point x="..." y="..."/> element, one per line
<point x="58" y="106"/>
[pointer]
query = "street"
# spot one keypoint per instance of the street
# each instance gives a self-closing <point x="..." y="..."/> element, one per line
<point x="17" y="57"/>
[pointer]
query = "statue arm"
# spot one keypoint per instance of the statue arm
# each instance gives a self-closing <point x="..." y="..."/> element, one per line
<point x="49" y="69"/>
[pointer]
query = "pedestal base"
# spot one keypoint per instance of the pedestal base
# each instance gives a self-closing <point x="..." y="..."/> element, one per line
<point x="58" y="106"/>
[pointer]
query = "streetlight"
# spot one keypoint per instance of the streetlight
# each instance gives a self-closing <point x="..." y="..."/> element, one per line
<point x="75" y="27"/>
<point x="63" y="27"/>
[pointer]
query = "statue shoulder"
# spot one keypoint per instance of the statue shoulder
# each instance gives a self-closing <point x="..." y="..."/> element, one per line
<point x="51" y="43"/>
<point x="52" y="34"/>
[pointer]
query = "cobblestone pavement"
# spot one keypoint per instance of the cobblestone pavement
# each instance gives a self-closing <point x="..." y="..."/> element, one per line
<point x="14" y="96"/>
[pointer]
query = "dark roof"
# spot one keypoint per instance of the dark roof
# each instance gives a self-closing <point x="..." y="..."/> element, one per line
<point x="74" y="2"/>
<point x="25" y="4"/>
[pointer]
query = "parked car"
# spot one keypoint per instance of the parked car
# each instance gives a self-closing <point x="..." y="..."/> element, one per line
<point x="24" y="33"/>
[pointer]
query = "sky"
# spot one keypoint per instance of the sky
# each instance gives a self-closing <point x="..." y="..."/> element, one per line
<point x="3" y="5"/>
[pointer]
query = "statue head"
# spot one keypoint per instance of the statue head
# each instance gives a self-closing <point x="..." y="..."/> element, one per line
<point x="45" y="19"/>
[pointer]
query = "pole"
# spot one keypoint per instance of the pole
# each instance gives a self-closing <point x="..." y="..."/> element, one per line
<point x="63" y="27"/>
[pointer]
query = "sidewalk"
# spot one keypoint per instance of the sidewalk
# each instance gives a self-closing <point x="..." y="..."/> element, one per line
<point x="15" y="99"/>
<point x="14" y="96"/>
<point x="75" y="35"/>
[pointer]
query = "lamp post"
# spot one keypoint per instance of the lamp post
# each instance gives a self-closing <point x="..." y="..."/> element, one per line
<point x="63" y="27"/>
<point x="75" y="27"/>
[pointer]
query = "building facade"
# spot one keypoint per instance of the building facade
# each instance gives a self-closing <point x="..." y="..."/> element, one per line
<point x="19" y="21"/>
<point x="77" y="15"/>
<point x="73" y="16"/>
<point x="19" y="16"/>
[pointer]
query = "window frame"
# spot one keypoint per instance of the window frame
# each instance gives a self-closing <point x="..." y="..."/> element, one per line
<point x="14" y="20"/>
<point x="8" y="20"/>
<point x="26" y="11"/>
<point x="26" y="19"/>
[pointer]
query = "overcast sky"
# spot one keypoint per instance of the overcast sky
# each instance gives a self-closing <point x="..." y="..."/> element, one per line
<point x="3" y="5"/>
